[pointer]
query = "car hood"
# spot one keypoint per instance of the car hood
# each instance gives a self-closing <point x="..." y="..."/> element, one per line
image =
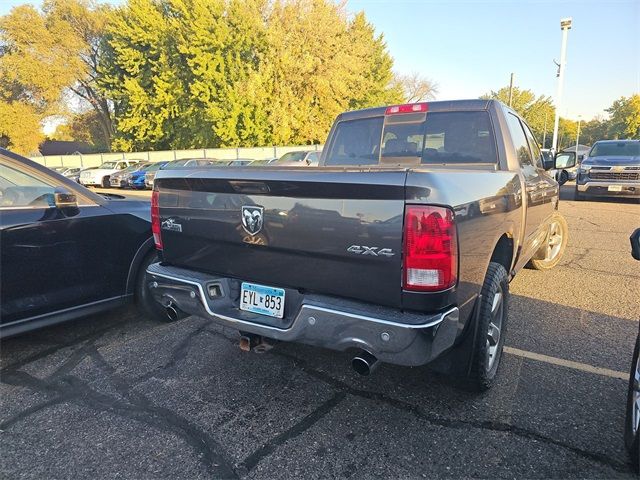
<point x="611" y="161"/>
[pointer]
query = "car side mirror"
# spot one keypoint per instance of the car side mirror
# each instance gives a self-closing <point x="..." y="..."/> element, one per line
<point x="635" y="244"/>
<point x="563" y="160"/>
<point x="64" y="199"/>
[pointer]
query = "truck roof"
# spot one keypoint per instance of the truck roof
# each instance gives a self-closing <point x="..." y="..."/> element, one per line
<point x="436" y="106"/>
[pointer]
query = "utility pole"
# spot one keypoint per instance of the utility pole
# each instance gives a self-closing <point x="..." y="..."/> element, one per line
<point x="565" y="26"/>
<point x="511" y="90"/>
<point x="578" y="136"/>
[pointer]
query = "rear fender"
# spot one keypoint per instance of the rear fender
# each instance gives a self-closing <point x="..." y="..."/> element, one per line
<point x="145" y="249"/>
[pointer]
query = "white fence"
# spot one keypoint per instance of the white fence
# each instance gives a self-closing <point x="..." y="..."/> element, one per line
<point x="96" y="159"/>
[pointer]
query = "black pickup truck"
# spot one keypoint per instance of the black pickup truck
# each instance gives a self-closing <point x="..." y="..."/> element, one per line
<point x="400" y="245"/>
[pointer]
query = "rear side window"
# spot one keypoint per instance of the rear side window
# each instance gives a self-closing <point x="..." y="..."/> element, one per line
<point x="440" y="137"/>
<point x="519" y="140"/>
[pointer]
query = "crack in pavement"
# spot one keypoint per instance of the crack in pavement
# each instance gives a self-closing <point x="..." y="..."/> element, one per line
<point x="415" y="410"/>
<point x="137" y="407"/>
<point x="254" y="458"/>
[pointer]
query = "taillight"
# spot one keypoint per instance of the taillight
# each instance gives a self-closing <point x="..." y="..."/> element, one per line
<point x="155" y="219"/>
<point x="430" y="248"/>
<point x="407" y="108"/>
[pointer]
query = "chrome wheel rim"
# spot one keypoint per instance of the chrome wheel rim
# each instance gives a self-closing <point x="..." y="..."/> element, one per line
<point x="495" y="328"/>
<point x="554" y="242"/>
<point x="635" y="398"/>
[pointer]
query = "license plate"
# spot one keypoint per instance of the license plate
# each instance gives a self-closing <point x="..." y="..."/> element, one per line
<point x="261" y="299"/>
<point x="615" y="188"/>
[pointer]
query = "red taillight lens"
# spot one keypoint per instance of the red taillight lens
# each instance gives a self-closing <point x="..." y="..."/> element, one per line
<point x="407" y="108"/>
<point x="155" y="219"/>
<point x="430" y="248"/>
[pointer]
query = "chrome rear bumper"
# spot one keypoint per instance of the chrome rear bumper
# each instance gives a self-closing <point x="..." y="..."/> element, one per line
<point x="392" y="336"/>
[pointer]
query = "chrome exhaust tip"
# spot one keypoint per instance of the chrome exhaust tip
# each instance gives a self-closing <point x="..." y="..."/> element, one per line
<point x="172" y="312"/>
<point x="364" y="363"/>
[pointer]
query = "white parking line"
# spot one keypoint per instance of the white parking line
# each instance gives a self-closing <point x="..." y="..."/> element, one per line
<point x="567" y="363"/>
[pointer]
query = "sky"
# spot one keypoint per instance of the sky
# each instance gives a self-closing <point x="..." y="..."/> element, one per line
<point x="471" y="47"/>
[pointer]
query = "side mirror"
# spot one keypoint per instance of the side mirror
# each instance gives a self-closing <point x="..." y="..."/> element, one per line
<point x="64" y="199"/>
<point x="635" y="244"/>
<point x="565" y="160"/>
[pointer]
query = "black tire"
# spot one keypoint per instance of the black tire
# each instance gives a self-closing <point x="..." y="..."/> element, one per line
<point x="106" y="183"/>
<point x="632" y="441"/>
<point x="484" y="366"/>
<point x="557" y="221"/>
<point x="564" y="177"/>
<point x="145" y="302"/>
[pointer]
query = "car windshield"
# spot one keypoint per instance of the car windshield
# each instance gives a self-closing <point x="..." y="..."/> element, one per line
<point x="615" y="149"/>
<point x="134" y="168"/>
<point x="108" y="165"/>
<point x="59" y="169"/>
<point x="155" y="166"/>
<point x="292" y="157"/>
<point x="432" y="138"/>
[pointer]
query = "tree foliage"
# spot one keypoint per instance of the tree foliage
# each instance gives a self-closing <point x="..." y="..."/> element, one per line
<point x="216" y="73"/>
<point x="625" y="117"/>
<point x="415" y="87"/>
<point x="45" y="54"/>
<point x="538" y="111"/>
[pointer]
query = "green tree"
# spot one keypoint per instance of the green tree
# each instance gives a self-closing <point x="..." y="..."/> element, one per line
<point x="538" y="111"/>
<point x="594" y="130"/>
<point x="46" y="54"/>
<point x="625" y="117"/>
<point x="200" y="73"/>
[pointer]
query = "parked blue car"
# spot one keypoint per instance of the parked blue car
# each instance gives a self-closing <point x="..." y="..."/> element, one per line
<point x="137" y="178"/>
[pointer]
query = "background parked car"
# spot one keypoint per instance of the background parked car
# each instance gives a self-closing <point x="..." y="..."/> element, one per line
<point x="300" y="158"/>
<point x="137" y="177"/>
<point x="65" y="251"/>
<point x="611" y="169"/>
<point x="122" y="178"/>
<point x="99" y="176"/>
<point x="183" y="163"/>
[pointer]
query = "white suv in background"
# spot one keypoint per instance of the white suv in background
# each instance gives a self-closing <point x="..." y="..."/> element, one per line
<point x="99" y="176"/>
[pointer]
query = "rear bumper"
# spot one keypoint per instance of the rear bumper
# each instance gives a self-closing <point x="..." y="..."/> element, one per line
<point x="401" y="338"/>
<point x="627" y="189"/>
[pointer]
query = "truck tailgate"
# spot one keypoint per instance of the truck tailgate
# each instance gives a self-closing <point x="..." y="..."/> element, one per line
<point x="317" y="230"/>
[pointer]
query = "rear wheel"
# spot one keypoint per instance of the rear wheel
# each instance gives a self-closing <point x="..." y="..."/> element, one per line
<point x="144" y="300"/>
<point x="632" y="422"/>
<point x="492" y="324"/>
<point x="105" y="182"/>
<point x="551" y="251"/>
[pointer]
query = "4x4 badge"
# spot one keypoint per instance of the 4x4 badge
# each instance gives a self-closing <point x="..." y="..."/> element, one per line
<point x="252" y="219"/>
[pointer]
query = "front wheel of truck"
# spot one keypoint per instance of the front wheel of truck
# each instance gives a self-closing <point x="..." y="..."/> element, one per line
<point x="551" y="251"/>
<point x="491" y="329"/>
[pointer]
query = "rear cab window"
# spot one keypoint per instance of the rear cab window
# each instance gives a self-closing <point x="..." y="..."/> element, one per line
<point x="414" y="139"/>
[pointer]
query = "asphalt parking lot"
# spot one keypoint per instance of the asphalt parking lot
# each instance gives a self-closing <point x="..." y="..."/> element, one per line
<point x="116" y="395"/>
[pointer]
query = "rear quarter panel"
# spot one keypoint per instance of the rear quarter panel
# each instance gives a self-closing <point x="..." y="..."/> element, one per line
<point x="487" y="205"/>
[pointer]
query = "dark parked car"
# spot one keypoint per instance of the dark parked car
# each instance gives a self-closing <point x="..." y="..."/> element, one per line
<point x="413" y="226"/>
<point x="610" y="169"/>
<point x="65" y="251"/>
<point x="632" y="423"/>
<point x="183" y="163"/>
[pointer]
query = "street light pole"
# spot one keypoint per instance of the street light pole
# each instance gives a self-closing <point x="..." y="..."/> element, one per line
<point x="565" y="26"/>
